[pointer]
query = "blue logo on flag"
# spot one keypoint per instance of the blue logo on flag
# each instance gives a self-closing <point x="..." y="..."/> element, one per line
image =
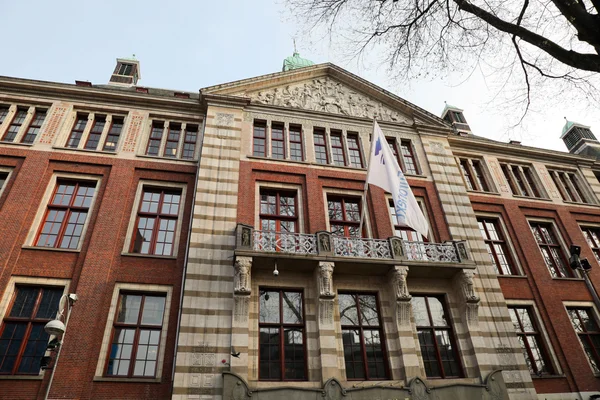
<point x="378" y="149"/>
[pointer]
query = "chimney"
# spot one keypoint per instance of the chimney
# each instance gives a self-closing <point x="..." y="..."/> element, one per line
<point x="126" y="73"/>
<point x="456" y="118"/>
<point x="579" y="139"/>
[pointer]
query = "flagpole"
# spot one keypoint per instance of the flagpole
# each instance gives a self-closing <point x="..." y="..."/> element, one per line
<point x="364" y="195"/>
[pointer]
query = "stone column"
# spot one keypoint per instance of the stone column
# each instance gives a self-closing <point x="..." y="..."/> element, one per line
<point x="241" y="307"/>
<point x="408" y="351"/>
<point x="326" y="331"/>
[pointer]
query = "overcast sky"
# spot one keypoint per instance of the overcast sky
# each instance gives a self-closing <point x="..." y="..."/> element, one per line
<point x="187" y="45"/>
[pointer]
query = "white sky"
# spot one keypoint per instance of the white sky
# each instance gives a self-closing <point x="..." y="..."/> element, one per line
<point x="187" y="45"/>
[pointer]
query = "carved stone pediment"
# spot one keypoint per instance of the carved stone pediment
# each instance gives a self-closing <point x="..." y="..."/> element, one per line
<point x="327" y="95"/>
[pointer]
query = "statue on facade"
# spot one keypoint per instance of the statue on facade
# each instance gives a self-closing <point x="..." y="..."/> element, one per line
<point x="241" y="283"/>
<point x="326" y="279"/>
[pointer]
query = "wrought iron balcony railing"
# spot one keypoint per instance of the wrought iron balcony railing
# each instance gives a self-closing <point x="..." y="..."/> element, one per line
<point x="325" y="244"/>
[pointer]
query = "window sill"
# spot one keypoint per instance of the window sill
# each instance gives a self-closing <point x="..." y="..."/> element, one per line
<point x="22" y="377"/>
<point x="126" y="380"/>
<point x="535" y="376"/>
<point x="85" y="150"/>
<point x="482" y="192"/>
<point x="568" y="279"/>
<point x="149" y="256"/>
<point x="182" y="160"/>
<point x="51" y="249"/>
<point x="531" y="198"/>
<point x="577" y="203"/>
<point x="512" y="276"/>
<point x="18" y="144"/>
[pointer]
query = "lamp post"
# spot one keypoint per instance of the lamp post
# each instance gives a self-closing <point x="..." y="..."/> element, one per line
<point x="57" y="328"/>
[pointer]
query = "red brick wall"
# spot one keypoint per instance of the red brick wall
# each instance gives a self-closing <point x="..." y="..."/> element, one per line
<point x="549" y="294"/>
<point x="94" y="270"/>
<point x="313" y="181"/>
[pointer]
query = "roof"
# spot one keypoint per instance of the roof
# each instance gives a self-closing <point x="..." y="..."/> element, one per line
<point x="449" y="107"/>
<point x="570" y="124"/>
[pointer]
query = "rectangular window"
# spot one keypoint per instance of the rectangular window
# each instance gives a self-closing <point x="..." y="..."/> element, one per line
<point x="125" y="69"/>
<point x="496" y="245"/>
<point x="66" y="214"/>
<point x="34" y="126"/>
<point x="354" y="151"/>
<point x="362" y="337"/>
<point x="568" y="186"/>
<point x="136" y="335"/>
<point x="521" y="180"/>
<point x="592" y="236"/>
<point x="190" y="139"/>
<point x="402" y="231"/>
<point x="155" y="138"/>
<point x="23" y="340"/>
<point x="473" y="174"/>
<point x="551" y="249"/>
<point x="15" y="125"/>
<point x="585" y="324"/>
<point x="408" y="157"/>
<point x="112" y="139"/>
<point x="3" y="179"/>
<point x="259" y="145"/>
<point x="77" y="131"/>
<point x="278" y="211"/>
<point x="320" y="146"/>
<point x="95" y="132"/>
<point x="530" y="339"/>
<point x="438" y="347"/>
<point x="344" y="216"/>
<point x="296" y="150"/>
<point x="394" y="148"/>
<point x="3" y="113"/>
<point x="282" y="353"/>
<point x="277" y="141"/>
<point x="173" y="136"/>
<point x="157" y="222"/>
<point x="337" y="148"/>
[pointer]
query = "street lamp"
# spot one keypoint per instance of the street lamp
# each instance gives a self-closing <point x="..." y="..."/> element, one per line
<point x="585" y="267"/>
<point x="57" y="328"/>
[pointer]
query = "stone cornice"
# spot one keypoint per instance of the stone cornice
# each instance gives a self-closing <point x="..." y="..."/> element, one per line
<point x="69" y="92"/>
<point x="512" y="150"/>
<point x="223" y="100"/>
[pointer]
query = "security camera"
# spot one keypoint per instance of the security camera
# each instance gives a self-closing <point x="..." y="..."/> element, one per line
<point x="275" y="273"/>
<point x="73" y="297"/>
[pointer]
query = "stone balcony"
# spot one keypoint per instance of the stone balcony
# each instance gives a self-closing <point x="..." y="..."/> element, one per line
<point x="325" y="246"/>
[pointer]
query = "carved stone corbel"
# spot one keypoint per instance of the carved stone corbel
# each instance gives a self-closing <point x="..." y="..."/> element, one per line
<point x="472" y="301"/>
<point x="403" y="297"/>
<point x="325" y="280"/>
<point x="241" y="280"/>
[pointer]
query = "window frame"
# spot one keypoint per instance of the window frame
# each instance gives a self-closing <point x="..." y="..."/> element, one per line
<point x="410" y="154"/>
<point x="538" y="334"/>
<point x="452" y="334"/>
<point x="334" y="133"/>
<point x="296" y="129"/>
<point x="19" y="125"/>
<point x="187" y="142"/>
<point x="260" y="124"/>
<point x="79" y="116"/>
<point x="171" y="128"/>
<point x="167" y="291"/>
<point x="8" y="171"/>
<point x="97" y="118"/>
<point x="559" y="245"/>
<point x="32" y="124"/>
<point x="281" y="325"/>
<point x="133" y="219"/>
<point x="593" y="242"/>
<point x="569" y="186"/>
<point x="278" y="217"/>
<point x="396" y="227"/>
<point x="322" y="133"/>
<point x="522" y="180"/>
<point x="360" y="326"/>
<point x="357" y="150"/>
<point x="474" y="174"/>
<point x="591" y="308"/>
<point x="115" y="119"/>
<point x="345" y="222"/>
<point x="280" y="127"/>
<point x="503" y="240"/>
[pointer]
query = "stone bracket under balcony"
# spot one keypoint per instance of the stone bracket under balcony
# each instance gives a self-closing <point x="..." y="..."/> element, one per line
<point x="325" y="246"/>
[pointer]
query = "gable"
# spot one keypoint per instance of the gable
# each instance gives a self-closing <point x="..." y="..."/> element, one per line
<point x="326" y="88"/>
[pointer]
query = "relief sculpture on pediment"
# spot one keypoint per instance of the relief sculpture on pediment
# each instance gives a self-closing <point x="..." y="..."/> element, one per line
<point x="327" y="95"/>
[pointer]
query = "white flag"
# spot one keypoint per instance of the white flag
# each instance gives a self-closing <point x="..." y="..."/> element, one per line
<point x="385" y="172"/>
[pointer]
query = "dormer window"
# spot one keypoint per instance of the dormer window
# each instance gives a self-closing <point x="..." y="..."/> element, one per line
<point x="458" y="117"/>
<point x="125" y="69"/>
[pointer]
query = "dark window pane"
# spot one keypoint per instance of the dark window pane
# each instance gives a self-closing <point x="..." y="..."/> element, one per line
<point x="129" y="308"/>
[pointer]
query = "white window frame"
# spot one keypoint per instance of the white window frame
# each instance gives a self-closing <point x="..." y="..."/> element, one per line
<point x="275" y="186"/>
<point x="543" y="332"/>
<point x="106" y="339"/>
<point x="39" y="216"/>
<point x="8" y="171"/>
<point x="133" y="217"/>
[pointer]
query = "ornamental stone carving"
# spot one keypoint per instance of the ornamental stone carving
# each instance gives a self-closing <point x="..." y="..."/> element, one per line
<point x="327" y="95"/>
<point x="399" y="281"/>
<point x="241" y="280"/>
<point x="326" y="280"/>
<point x="467" y="285"/>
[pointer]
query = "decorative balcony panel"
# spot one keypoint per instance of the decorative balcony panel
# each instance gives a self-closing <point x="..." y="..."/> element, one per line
<point x="361" y="247"/>
<point x="293" y="243"/>
<point x="432" y="252"/>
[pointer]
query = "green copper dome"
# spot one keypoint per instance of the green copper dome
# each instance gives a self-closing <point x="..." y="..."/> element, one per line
<point x="295" y="62"/>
